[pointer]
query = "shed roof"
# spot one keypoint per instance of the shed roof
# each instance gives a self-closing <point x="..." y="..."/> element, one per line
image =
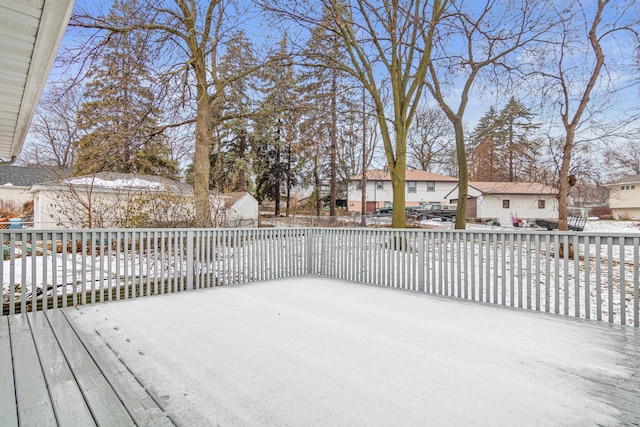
<point x="115" y="181"/>
<point x="522" y="188"/>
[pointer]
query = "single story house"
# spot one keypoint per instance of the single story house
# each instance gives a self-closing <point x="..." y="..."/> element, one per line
<point x="504" y="201"/>
<point x="16" y="181"/>
<point x="120" y="200"/>
<point x="421" y="187"/>
<point x="624" y="198"/>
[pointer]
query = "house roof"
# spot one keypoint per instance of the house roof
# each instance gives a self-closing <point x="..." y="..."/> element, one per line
<point x="30" y="34"/>
<point x="120" y="181"/>
<point x="511" y="188"/>
<point x="24" y="176"/>
<point x="233" y="198"/>
<point x="524" y="188"/>
<point x="411" y="175"/>
<point x="633" y="179"/>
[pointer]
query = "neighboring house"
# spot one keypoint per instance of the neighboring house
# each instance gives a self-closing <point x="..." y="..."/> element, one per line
<point x="109" y="199"/>
<point x="15" y="182"/>
<point x="420" y="188"/>
<point x="118" y="200"/>
<point x="238" y="209"/>
<point x="502" y="201"/>
<point x="624" y="198"/>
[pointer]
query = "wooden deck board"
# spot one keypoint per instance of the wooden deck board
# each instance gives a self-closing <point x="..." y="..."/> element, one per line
<point x="141" y="406"/>
<point x="67" y="399"/>
<point x="105" y="405"/>
<point x="33" y="402"/>
<point x="8" y="413"/>
<point x="51" y="376"/>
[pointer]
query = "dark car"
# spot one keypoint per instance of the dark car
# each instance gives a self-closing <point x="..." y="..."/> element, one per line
<point x="386" y="211"/>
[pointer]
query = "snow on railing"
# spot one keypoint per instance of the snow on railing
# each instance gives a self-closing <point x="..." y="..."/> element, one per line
<point x="586" y="275"/>
<point x="50" y="269"/>
<point x="592" y="276"/>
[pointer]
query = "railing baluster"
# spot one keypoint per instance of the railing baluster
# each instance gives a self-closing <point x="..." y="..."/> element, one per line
<point x="587" y="273"/>
<point x="576" y="275"/>
<point x="610" y="277"/>
<point x="623" y="289"/>
<point x="636" y="284"/>
<point x="598" y="279"/>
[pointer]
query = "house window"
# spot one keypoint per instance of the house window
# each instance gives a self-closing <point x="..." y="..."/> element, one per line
<point x="541" y="204"/>
<point x="380" y="185"/>
<point x="359" y="185"/>
<point x="411" y="186"/>
<point x="505" y="204"/>
<point x="431" y="186"/>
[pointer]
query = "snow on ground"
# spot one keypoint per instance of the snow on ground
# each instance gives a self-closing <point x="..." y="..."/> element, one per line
<point x="592" y="226"/>
<point x="311" y="351"/>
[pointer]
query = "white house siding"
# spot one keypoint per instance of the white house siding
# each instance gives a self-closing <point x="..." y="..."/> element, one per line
<point x="625" y="203"/>
<point x="524" y="207"/>
<point x="384" y="195"/>
<point x="15" y="194"/>
<point x="50" y="205"/>
<point x="243" y="213"/>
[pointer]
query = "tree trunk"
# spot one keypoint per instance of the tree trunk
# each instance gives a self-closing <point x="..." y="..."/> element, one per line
<point x="398" y="179"/>
<point x="563" y="182"/>
<point x="201" y="165"/>
<point x="463" y="176"/>
<point x="398" y="176"/>
<point x="334" y="145"/>
<point x="363" y="212"/>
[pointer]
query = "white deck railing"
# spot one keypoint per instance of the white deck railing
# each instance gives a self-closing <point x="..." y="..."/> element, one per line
<point x="586" y="275"/>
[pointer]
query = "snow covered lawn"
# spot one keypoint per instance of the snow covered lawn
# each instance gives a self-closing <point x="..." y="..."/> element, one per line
<point x="311" y="351"/>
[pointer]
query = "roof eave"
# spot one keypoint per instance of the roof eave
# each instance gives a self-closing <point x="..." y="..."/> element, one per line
<point x="53" y="22"/>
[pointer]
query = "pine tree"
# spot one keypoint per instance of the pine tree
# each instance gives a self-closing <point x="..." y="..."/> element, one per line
<point x="486" y="142"/>
<point x="329" y="119"/>
<point x="275" y="135"/>
<point x="230" y="160"/>
<point x="119" y="118"/>
<point x="515" y="123"/>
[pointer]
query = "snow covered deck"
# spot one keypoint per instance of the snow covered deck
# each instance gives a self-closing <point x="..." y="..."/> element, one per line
<point x="318" y="351"/>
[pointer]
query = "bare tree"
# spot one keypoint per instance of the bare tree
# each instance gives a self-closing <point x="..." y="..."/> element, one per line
<point x="474" y="38"/>
<point x="388" y="47"/>
<point x="580" y="74"/>
<point x="429" y="139"/>
<point x="54" y="130"/>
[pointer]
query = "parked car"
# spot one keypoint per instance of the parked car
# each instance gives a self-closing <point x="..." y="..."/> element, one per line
<point x="386" y="211"/>
<point x="436" y="210"/>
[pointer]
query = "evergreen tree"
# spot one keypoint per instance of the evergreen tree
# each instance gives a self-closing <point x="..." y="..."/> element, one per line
<point x="230" y="160"/>
<point x="515" y="122"/>
<point x="332" y="113"/>
<point x="486" y="143"/>
<point x="119" y="118"/>
<point x="275" y="136"/>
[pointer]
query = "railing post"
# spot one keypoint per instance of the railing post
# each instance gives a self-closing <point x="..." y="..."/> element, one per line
<point x="309" y="237"/>
<point x="190" y="255"/>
